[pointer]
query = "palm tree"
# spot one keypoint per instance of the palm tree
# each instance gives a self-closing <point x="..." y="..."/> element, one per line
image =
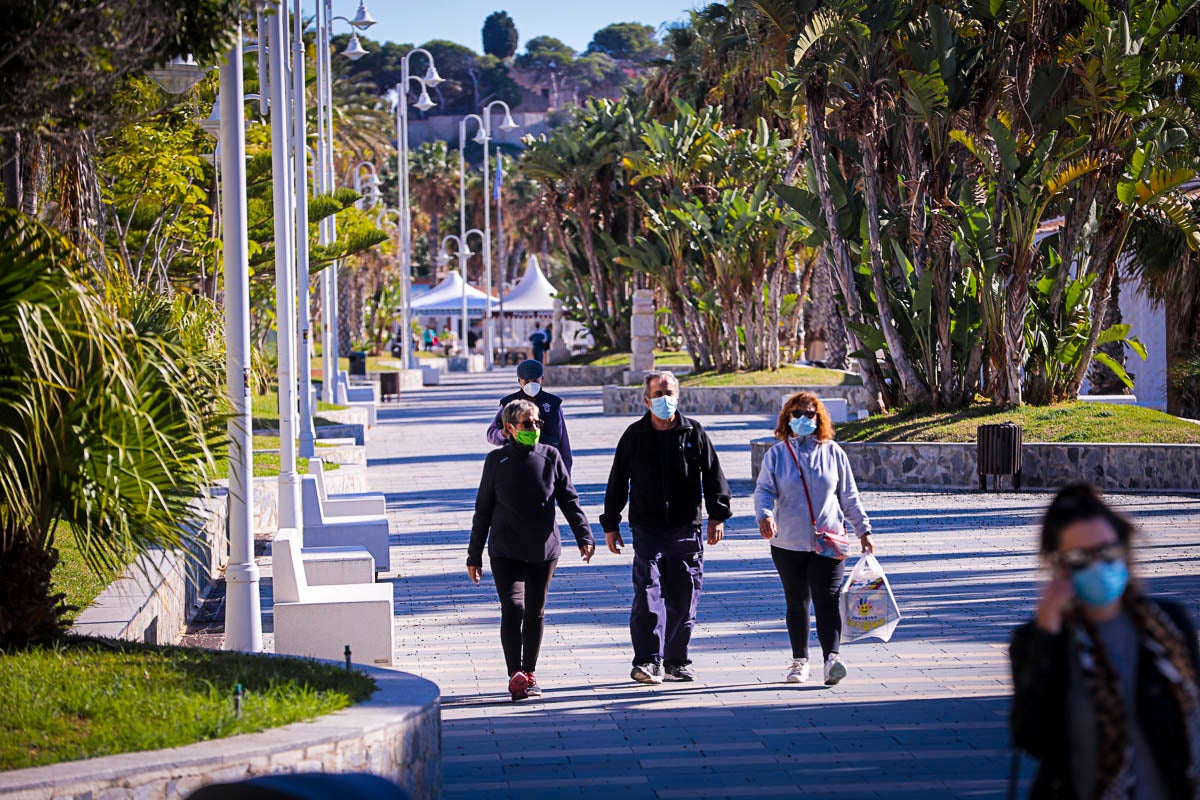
<point x="109" y="417"/>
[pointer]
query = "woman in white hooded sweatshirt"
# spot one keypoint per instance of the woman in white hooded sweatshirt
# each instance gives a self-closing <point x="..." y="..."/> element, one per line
<point x="804" y="496"/>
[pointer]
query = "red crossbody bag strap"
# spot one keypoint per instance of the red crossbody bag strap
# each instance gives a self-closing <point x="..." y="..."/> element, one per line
<point x="812" y="516"/>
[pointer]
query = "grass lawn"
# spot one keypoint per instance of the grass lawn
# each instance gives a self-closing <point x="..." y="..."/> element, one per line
<point x="1068" y="422"/>
<point x="784" y="376"/>
<point x="611" y="358"/>
<point x="384" y="363"/>
<point x="73" y="577"/>
<point x="87" y="698"/>
<point x="264" y="411"/>
<point x="266" y="459"/>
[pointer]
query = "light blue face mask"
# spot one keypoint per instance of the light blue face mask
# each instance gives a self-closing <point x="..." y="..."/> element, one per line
<point x="664" y="407"/>
<point x="1101" y="583"/>
<point x="802" y="426"/>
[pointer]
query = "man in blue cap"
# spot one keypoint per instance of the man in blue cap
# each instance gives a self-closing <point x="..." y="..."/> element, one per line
<point x="554" y="426"/>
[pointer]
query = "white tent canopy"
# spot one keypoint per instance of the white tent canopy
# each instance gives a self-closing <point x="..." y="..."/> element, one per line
<point x="533" y="295"/>
<point x="445" y="299"/>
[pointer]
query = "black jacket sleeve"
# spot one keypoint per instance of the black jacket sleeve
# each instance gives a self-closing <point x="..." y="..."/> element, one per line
<point x="568" y="502"/>
<point x="1039" y="667"/>
<point x="717" y="497"/>
<point x="616" y="494"/>
<point x="564" y="442"/>
<point x="485" y="504"/>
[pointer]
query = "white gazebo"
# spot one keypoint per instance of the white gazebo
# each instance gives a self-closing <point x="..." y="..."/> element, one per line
<point x="446" y="299"/>
<point x="532" y="299"/>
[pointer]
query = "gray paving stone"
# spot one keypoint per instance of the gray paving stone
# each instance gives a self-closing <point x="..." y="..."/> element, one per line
<point x="922" y="716"/>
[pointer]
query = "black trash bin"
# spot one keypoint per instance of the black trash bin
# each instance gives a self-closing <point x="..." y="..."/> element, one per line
<point x="358" y="363"/>
<point x="998" y="452"/>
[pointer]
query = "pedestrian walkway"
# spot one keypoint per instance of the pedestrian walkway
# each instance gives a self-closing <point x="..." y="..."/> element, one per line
<point x="923" y="716"/>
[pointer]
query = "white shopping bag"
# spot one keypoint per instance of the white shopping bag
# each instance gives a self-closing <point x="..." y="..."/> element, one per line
<point x="867" y="603"/>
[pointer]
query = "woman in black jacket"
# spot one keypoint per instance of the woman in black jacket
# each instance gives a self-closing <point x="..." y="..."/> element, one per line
<point x="1104" y="678"/>
<point x="521" y="483"/>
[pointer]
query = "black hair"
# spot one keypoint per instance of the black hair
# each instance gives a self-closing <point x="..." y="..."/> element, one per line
<point x="1078" y="502"/>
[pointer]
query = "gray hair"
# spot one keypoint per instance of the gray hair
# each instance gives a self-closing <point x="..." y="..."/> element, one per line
<point x="515" y="410"/>
<point x="658" y="375"/>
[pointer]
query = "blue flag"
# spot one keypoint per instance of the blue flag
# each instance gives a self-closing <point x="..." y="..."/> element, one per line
<point x="499" y="176"/>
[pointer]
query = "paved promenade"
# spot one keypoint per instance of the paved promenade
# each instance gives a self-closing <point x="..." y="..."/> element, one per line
<point x="923" y="716"/>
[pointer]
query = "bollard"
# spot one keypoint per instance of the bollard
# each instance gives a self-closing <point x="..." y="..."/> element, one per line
<point x="347" y="658"/>
<point x="238" y="692"/>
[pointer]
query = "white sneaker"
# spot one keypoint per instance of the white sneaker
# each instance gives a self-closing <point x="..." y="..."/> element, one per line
<point x="835" y="670"/>
<point x="798" y="672"/>
<point x="647" y="673"/>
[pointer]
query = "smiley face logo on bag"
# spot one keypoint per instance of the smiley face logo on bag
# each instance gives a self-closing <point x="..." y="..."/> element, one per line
<point x="864" y="607"/>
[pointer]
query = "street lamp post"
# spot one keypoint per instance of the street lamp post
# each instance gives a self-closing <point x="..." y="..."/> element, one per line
<point x="243" y="617"/>
<point x="424" y="103"/>
<point x="325" y="178"/>
<point x="285" y="277"/>
<point x="486" y="129"/>
<point x="443" y="259"/>
<point x="303" y="282"/>
<point x="243" y="621"/>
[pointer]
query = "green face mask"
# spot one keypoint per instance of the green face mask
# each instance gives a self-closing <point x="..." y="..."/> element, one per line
<point x="528" y="438"/>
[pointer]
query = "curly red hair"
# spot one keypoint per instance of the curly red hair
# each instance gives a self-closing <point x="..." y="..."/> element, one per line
<point x="824" y="423"/>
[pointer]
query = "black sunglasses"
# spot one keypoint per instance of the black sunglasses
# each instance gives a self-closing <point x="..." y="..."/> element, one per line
<point x="1081" y="558"/>
<point x="799" y="413"/>
<point x="529" y="424"/>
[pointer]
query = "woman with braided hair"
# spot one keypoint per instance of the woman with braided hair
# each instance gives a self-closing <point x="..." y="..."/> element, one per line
<point x="1104" y="677"/>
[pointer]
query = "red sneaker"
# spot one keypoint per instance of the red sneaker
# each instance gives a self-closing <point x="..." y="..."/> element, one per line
<point x="518" y="686"/>
<point x="532" y="690"/>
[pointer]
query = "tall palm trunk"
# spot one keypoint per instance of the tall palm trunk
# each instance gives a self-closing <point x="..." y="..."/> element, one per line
<point x="839" y="251"/>
<point x="912" y="388"/>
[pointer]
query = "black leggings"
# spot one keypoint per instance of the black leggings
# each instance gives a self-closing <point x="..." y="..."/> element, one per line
<point x="805" y="576"/>
<point x="521" y="622"/>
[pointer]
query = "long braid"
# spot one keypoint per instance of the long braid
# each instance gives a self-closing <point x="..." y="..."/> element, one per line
<point x="1158" y="627"/>
<point x="1112" y="742"/>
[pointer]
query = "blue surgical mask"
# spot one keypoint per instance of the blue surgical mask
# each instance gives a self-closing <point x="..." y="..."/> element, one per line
<point x="1101" y="583"/>
<point x="802" y="426"/>
<point x="664" y="407"/>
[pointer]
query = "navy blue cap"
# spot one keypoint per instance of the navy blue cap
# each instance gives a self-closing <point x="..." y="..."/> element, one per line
<point x="530" y="369"/>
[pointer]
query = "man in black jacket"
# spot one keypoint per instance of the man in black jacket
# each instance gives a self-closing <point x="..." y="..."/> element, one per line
<point x="554" y="431"/>
<point x="663" y="463"/>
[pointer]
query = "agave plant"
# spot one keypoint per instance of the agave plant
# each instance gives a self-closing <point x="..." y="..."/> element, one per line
<point x="109" y="417"/>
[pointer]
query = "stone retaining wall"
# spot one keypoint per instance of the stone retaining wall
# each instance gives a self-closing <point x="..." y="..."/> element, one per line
<point x="157" y="595"/>
<point x="937" y="465"/>
<point x="395" y="734"/>
<point x="565" y="375"/>
<point x="627" y="400"/>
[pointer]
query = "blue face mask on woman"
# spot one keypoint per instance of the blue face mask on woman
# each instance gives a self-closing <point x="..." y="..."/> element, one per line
<point x="664" y="407"/>
<point x="802" y="426"/>
<point x="1101" y="583"/>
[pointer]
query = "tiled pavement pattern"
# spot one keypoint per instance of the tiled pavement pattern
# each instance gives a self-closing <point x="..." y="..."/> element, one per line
<point x="923" y="716"/>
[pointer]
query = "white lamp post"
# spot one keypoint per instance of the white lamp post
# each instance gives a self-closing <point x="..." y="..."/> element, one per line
<point x="285" y="276"/>
<point x="303" y="282"/>
<point x="243" y="617"/>
<point x="424" y="103"/>
<point x="367" y="186"/>
<point x="443" y="259"/>
<point x="486" y="130"/>
<point x="325" y="178"/>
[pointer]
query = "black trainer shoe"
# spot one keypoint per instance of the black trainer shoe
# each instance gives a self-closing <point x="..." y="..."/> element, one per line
<point x="683" y="672"/>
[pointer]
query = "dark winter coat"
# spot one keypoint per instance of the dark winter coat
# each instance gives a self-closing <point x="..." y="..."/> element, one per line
<point x="514" y="509"/>
<point x="663" y="475"/>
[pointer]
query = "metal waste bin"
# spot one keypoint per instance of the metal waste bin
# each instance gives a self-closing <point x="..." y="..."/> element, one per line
<point x="389" y="386"/>
<point x="358" y="363"/>
<point x="998" y="452"/>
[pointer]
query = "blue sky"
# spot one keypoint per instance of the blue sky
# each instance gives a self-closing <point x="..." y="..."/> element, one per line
<point x="573" y="21"/>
